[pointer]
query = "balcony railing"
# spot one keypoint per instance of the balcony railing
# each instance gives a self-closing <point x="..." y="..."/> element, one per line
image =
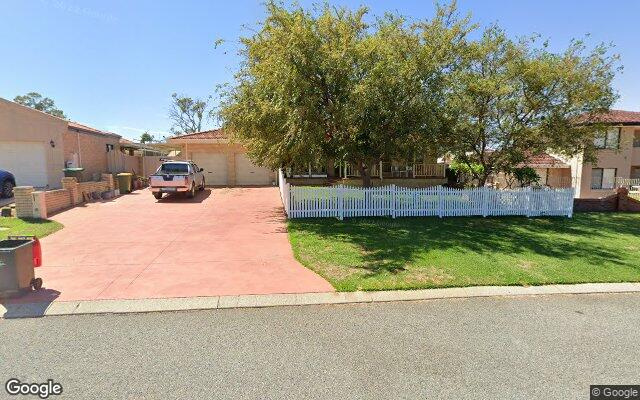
<point x="627" y="182"/>
<point x="420" y="170"/>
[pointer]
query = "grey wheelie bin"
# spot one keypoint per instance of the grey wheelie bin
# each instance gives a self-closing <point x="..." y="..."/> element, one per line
<point x="18" y="257"/>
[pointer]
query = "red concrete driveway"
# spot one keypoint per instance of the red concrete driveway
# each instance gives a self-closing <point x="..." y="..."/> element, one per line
<point x="223" y="242"/>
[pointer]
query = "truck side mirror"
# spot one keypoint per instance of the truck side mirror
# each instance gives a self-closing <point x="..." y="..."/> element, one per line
<point x="201" y="169"/>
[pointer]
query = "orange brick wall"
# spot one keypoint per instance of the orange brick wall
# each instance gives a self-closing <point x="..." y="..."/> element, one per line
<point x="57" y="200"/>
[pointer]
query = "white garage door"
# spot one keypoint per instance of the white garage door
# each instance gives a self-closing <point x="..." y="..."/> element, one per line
<point x="26" y="160"/>
<point x="214" y="165"/>
<point x="247" y="173"/>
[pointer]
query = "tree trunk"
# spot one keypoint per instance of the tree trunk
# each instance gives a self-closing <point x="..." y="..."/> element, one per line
<point x="482" y="179"/>
<point x="331" y="168"/>
<point x="365" y="173"/>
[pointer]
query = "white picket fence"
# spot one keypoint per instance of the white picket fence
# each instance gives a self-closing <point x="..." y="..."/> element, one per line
<point x="394" y="201"/>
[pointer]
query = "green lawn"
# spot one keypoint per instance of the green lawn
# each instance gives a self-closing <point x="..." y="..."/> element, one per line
<point x="411" y="253"/>
<point x="27" y="226"/>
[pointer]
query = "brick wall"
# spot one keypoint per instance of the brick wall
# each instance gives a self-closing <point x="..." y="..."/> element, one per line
<point x="617" y="202"/>
<point x="57" y="200"/>
<point x="51" y="201"/>
<point x="90" y="187"/>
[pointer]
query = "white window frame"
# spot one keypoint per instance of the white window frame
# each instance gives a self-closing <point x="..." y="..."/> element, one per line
<point x="601" y="184"/>
<point x="606" y="141"/>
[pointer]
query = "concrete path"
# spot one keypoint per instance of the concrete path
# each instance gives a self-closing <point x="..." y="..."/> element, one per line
<point x="223" y="242"/>
<point x="536" y="347"/>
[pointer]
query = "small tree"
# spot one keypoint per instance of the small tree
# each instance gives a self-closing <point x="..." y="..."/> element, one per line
<point x="146" y="138"/>
<point x="515" y="99"/>
<point x="187" y="114"/>
<point x="526" y="176"/>
<point x="44" y="104"/>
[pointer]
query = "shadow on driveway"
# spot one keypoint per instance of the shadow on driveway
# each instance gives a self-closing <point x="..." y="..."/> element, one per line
<point x="182" y="198"/>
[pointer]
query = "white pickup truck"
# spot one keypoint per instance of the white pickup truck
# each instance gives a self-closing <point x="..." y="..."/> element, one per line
<point x="177" y="177"/>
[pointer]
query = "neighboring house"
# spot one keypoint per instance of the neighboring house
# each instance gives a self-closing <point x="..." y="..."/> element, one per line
<point x="31" y="145"/>
<point x="618" y="157"/>
<point x="618" y="161"/>
<point x="553" y="172"/>
<point x="225" y="163"/>
<point x="87" y="147"/>
<point x="36" y="146"/>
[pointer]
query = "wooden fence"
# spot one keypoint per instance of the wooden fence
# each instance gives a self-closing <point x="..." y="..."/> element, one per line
<point x="347" y="201"/>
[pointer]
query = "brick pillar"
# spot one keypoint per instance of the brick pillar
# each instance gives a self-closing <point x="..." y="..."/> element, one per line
<point x="39" y="204"/>
<point x="623" y="199"/>
<point x="109" y="179"/>
<point x="24" y="201"/>
<point x="71" y="184"/>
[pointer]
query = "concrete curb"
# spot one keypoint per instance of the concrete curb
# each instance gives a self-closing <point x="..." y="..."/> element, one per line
<point x="32" y="310"/>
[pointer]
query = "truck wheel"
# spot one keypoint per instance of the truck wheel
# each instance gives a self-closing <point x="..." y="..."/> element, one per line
<point x="192" y="193"/>
<point x="157" y="195"/>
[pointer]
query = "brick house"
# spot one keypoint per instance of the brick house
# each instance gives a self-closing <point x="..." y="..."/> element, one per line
<point x="87" y="147"/>
<point x="225" y="163"/>
<point x="36" y="146"/>
<point x="618" y="157"/>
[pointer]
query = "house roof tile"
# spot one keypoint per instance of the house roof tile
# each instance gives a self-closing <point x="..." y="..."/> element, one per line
<point x="85" y="128"/>
<point x="613" y="117"/>
<point x="544" y="160"/>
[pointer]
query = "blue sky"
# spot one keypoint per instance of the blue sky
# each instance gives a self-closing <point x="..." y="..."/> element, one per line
<point x="114" y="64"/>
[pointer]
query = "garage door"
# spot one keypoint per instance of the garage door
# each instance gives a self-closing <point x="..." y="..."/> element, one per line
<point x="26" y="160"/>
<point x="214" y="165"/>
<point x="247" y="173"/>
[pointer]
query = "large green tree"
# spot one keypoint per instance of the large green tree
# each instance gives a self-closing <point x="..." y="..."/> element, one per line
<point x="44" y="104"/>
<point x="515" y="99"/>
<point x="324" y="84"/>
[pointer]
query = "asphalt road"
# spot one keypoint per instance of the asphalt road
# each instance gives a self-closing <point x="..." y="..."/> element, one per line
<point x="550" y="347"/>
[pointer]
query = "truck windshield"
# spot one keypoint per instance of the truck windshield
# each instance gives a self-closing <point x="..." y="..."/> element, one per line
<point x="174" y="168"/>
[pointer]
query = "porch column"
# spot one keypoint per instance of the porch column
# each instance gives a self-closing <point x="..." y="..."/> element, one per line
<point x="380" y="170"/>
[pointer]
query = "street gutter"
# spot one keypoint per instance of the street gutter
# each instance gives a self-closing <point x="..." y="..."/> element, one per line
<point x="125" y="306"/>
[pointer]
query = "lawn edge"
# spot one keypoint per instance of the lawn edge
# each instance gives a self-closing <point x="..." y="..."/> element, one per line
<point x="84" y="307"/>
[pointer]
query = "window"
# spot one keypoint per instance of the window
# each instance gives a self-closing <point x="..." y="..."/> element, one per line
<point x="603" y="178"/>
<point x="608" y="140"/>
<point x="636" y="138"/>
<point x="109" y="147"/>
<point x="175" y="168"/>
